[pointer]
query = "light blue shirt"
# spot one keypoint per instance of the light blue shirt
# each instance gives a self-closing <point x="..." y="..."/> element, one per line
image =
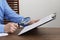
<point x="9" y="14"/>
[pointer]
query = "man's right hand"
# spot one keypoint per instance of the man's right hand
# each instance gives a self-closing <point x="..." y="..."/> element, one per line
<point x="10" y="27"/>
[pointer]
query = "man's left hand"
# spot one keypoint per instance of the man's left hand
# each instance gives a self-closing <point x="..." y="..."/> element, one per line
<point x="33" y="21"/>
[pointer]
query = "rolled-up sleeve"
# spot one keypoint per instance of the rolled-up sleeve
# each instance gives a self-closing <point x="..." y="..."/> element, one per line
<point x="11" y="15"/>
<point x="1" y="28"/>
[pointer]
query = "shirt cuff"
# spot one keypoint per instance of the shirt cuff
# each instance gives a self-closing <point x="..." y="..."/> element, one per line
<point x="1" y="28"/>
<point x="25" y="21"/>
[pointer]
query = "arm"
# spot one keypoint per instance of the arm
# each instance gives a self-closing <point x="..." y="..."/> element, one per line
<point x="11" y="15"/>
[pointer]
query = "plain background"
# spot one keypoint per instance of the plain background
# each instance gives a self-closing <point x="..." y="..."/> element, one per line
<point x="37" y="9"/>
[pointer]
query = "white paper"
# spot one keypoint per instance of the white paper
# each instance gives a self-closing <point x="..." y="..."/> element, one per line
<point x="3" y="34"/>
<point x="40" y="22"/>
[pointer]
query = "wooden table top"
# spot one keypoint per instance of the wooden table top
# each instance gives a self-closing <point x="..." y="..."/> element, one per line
<point x="36" y="34"/>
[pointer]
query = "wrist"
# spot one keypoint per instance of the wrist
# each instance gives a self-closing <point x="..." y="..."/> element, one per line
<point x="5" y="29"/>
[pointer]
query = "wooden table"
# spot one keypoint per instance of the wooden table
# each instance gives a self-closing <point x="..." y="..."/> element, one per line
<point x="36" y="34"/>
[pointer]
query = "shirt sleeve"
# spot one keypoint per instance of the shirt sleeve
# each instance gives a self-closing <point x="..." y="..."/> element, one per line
<point x="10" y="14"/>
<point x="1" y="28"/>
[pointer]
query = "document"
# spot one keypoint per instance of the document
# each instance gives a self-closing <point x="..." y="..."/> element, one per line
<point x="39" y="23"/>
<point x="3" y="34"/>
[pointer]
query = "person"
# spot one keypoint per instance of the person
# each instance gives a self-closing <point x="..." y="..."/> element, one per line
<point x="9" y="14"/>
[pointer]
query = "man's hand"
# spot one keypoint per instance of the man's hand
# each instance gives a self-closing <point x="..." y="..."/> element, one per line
<point x="10" y="27"/>
<point x="33" y="21"/>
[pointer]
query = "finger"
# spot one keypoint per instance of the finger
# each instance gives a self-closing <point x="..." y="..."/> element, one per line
<point x="11" y="31"/>
<point x="38" y="20"/>
<point x="15" y="24"/>
<point x="15" y="28"/>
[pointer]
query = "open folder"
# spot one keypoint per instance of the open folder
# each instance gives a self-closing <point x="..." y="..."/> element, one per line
<point x="39" y="23"/>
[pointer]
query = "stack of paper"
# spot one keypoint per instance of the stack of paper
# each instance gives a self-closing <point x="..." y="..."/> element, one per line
<point x="39" y="23"/>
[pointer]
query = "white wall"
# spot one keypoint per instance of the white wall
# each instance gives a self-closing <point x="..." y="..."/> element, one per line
<point x="37" y="9"/>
